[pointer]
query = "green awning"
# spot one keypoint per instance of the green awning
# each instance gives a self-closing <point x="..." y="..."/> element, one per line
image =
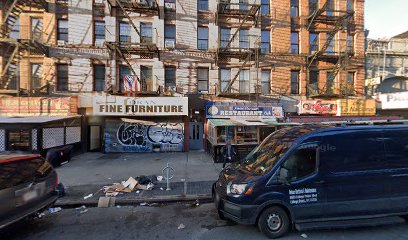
<point x="222" y="122"/>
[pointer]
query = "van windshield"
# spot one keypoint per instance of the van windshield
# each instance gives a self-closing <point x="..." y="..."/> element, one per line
<point x="266" y="155"/>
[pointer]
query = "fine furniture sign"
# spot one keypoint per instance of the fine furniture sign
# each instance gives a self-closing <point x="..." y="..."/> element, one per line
<point x="149" y="106"/>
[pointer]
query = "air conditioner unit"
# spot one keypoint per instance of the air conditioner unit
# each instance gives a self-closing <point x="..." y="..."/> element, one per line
<point x="170" y="44"/>
<point x="170" y="5"/>
<point x="61" y="43"/>
<point x="203" y="92"/>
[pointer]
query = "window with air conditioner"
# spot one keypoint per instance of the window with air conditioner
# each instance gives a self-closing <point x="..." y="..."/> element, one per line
<point x="170" y="36"/>
<point x="170" y="5"/>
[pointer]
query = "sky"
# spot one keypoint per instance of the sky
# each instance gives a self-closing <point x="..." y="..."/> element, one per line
<point x="386" y="18"/>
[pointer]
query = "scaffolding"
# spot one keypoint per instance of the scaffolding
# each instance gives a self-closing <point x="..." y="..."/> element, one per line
<point x="14" y="47"/>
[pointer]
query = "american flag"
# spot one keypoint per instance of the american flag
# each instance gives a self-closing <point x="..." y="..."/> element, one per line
<point x="130" y="83"/>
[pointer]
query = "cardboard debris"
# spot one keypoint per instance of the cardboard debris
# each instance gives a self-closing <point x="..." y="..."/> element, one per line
<point x="105" y="202"/>
<point x="127" y="186"/>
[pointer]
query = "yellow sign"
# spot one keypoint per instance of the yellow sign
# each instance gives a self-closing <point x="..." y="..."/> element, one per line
<point x="356" y="107"/>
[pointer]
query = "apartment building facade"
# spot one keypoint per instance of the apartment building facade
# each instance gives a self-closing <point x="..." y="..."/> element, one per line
<point x="205" y="50"/>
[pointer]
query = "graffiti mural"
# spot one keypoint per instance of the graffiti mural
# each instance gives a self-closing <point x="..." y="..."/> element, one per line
<point x="136" y="137"/>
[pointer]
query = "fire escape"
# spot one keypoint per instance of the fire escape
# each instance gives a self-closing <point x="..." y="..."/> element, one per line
<point x="126" y="50"/>
<point x="240" y="16"/>
<point x="13" y="47"/>
<point x="330" y="23"/>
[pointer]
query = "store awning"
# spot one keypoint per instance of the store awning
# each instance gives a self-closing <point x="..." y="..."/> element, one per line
<point x="22" y="120"/>
<point x="222" y="122"/>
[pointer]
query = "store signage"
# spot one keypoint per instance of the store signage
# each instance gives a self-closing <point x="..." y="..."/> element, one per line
<point x="320" y="107"/>
<point x="394" y="100"/>
<point x="356" y="107"/>
<point x="222" y="110"/>
<point x="79" y="52"/>
<point x="373" y="81"/>
<point x="149" y="106"/>
<point x="38" y="106"/>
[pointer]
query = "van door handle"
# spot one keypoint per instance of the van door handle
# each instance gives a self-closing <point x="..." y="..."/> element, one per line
<point x="319" y="182"/>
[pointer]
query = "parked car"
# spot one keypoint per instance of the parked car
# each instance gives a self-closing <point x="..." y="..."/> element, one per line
<point x="59" y="155"/>
<point x="316" y="176"/>
<point x="28" y="185"/>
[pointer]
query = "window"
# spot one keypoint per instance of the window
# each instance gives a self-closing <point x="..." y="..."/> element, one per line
<point x="123" y="71"/>
<point x="15" y="30"/>
<point x="62" y="77"/>
<point x="350" y="5"/>
<point x="225" y="37"/>
<point x="36" y="76"/>
<point x="330" y="82"/>
<point x="99" y="78"/>
<point x="146" y="73"/>
<point x="170" y="76"/>
<point x="202" y="5"/>
<point x="99" y="33"/>
<point x="146" y="35"/>
<point x="313" y="6"/>
<point x="294" y="42"/>
<point x="350" y="78"/>
<point x="313" y="82"/>
<point x="243" y="5"/>
<point x="265" y="41"/>
<point x="243" y="38"/>
<point x="330" y="47"/>
<point x="62" y="33"/>
<point x="170" y="5"/>
<point x="202" y="75"/>
<point x="350" y="43"/>
<point x="36" y="29"/>
<point x="359" y="151"/>
<point x="244" y="81"/>
<point x="294" y="82"/>
<point x="330" y="7"/>
<point x="170" y="34"/>
<point x="202" y="38"/>
<point x="265" y="7"/>
<point x="19" y="140"/>
<point x="294" y="8"/>
<point x="298" y="165"/>
<point x="266" y="82"/>
<point x="314" y="42"/>
<point x="225" y="76"/>
<point x="124" y="32"/>
<point x="14" y="80"/>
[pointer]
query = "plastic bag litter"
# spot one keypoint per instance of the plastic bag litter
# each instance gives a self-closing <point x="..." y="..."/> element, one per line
<point x="150" y="186"/>
<point x="181" y="226"/>
<point x="304" y="235"/>
<point x="160" y="178"/>
<point x="54" y="210"/>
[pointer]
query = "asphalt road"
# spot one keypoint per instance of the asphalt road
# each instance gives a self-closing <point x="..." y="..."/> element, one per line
<point x="162" y="222"/>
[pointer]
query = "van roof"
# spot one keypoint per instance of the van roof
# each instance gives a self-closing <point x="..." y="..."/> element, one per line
<point x="12" y="157"/>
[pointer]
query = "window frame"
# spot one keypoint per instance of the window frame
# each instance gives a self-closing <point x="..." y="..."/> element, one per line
<point x="313" y="44"/>
<point x="294" y="44"/>
<point x="265" y="4"/>
<point x="62" y="87"/>
<point x="245" y="81"/>
<point x="146" y="29"/>
<point x="268" y="71"/>
<point x="267" y="49"/>
<point x="167" y="77"/>
<point x="34" y="79"/>
<point x="205" y="39"/>
<point x="94" y="85"/>
<point x="201" y="3"/>
<point x="221" y="78"/>
<point x="297" y="92"/>
<point x="294" y="8"/>
<point x="166" y="33"/>
<point x="127" y="37"/>
<point x="59" y="33"/>
<point x="98" y="36"/>
<point x="201" y="79"/>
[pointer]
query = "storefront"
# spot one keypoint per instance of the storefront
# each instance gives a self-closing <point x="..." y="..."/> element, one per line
<point x="393" y="104"/>
<point x="129" y="124"/>
<point x="245" y="123"/>
<point x="36" y="124"/>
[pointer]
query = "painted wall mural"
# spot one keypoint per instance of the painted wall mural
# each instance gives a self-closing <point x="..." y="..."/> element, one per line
<point x="123" y="136"/>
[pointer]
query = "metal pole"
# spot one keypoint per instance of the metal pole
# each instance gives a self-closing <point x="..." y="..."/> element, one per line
<point x="383" y="73"/>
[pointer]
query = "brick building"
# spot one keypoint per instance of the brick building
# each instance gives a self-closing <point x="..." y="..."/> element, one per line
<point x="206" y="50"/>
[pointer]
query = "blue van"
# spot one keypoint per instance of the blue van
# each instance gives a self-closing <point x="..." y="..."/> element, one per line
<point x="319" y="176"/>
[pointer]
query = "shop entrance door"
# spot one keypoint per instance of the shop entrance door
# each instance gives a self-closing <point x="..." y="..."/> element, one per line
<point x="196" y="135"/>
<point x="94" y="138"/>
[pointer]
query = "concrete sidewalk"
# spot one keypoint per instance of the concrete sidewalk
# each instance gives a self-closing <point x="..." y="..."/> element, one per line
<point x="87" y="173"/>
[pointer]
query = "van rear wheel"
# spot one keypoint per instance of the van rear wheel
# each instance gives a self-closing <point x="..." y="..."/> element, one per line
<point x="274" y="222"/>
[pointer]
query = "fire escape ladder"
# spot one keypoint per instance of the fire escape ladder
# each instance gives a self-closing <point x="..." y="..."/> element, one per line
<point x="316" y="14"/>
<point x="128" y="17"/>
<point x="228" y="87"/>
<point x="11" y="16"/>
<point x="123" y="56"/>
<point x="9" y="71"/>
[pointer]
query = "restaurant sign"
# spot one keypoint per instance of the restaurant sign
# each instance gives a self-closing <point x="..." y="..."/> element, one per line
<point x="149" y="106"/>
<point x="230" y="109"/>
<point x="320" y="107"/>
<point x="394" y="100"/>
<point x="38" y="106"/>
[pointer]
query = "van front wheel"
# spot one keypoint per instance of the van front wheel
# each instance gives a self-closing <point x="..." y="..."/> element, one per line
<point x="274" y="222"/>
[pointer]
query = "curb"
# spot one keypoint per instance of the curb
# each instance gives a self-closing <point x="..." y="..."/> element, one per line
<point x="205" y="198"/>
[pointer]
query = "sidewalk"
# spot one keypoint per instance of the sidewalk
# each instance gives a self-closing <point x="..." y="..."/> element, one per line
<point x="195" y="172"/>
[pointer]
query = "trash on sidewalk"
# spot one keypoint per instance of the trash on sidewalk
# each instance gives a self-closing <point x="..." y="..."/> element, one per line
<point x="80" y="208"/>
<point x="83" y="211"/>
<point x="54" y="210"/>
<point x="130" y="185"/>
<point x="160" y="178"/>
<point x="88" y="196"/>
<point x="60" y="190"/>
<point x="143" y="204"/>
<point x="181" y="226"/>
<point x="40" y="215"/>
<point x="304" y="235"/>
<point x="105" y="202"/>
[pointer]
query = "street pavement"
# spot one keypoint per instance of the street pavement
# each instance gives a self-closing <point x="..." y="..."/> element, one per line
<point x="162" y="222"/>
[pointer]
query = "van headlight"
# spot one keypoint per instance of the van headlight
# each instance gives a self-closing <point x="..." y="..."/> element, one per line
<point x="238" y="189"/>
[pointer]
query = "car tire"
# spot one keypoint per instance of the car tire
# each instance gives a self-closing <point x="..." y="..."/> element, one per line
<point x="274" y="222"/>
